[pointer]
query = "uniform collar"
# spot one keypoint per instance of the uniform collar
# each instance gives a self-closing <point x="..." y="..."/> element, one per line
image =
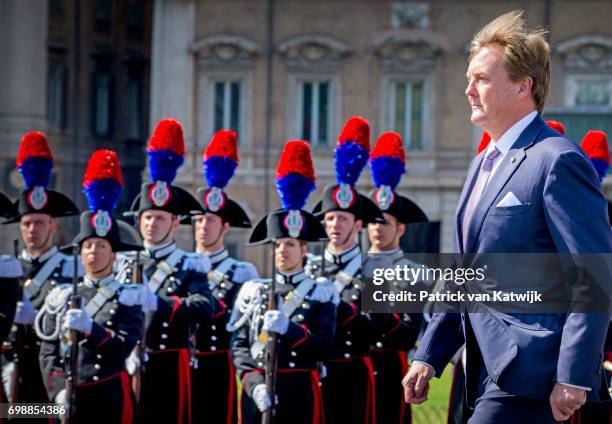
<point x="159" y="251"/>
<point x="25" y="255"/>
<point x="342" y="257"/>
<point x="217" y="256"/>
<point x="97" y="283"/>
<point x="394" y="254"/>
<point x="293" y="278"/>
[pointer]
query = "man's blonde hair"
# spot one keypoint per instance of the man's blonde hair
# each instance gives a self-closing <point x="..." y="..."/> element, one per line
<point x="526" y="53"/>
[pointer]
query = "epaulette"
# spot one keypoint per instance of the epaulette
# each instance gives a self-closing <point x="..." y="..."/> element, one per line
<point x="313" y="264"/>
<point x="10" y="267"/>
<point x="130" y="294"/>
<point x="197" y="262"/>
<point x="244" y="271"/>
<point x="68" y="266"/>
<point x="325" y="291"/>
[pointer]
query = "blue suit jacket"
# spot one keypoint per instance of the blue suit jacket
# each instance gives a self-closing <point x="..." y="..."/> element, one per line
<point x="562" y="210"/>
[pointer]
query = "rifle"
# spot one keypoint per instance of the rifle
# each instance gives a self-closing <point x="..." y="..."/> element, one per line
<point x="18" y="348"/>
<point x="72" y="378"/>
<point x="140" y="347"/>
<point x="271" y="357"/>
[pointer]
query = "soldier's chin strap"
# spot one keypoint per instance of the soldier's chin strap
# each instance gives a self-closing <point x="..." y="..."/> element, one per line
<point x="105" y="267"/>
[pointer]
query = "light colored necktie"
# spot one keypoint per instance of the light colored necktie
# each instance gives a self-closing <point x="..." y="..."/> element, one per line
<point x="476" y="194"/>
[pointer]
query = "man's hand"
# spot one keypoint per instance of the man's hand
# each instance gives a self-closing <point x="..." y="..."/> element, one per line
<point x="565" y="400"/>
<point x="416" y="383"/>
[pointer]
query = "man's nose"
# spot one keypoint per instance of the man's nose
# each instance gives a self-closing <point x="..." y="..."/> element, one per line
<point x="470" y="90"/>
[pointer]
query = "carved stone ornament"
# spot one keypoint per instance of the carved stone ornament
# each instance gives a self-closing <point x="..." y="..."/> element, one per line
<point x="407" y="50"/>
<point x="313" y="50"/>
<point x="225" y="49"/>
<point x="587" y="52"/>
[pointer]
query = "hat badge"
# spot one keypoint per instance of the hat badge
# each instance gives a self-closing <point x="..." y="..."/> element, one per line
<point x="159" y="193"/>
<point x="214" y="199"/>
<point x="38" y="198"/>
<point x="343" y="196"/>
<point x="101" y="222"/>
<point x="384" y="197"/>
<point x="294" y="223"/>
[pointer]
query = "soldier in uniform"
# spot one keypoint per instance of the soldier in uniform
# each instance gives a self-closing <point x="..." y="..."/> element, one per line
<point x="306" y="308"/>
<point x="214" y="375"/>
<point x="109" y="319"/>
<point x="10" y="274"/>
<point x="176" y="280"/>
<point x="348" y="388"/>
<point x="595" y="144"/>
<point x="394" y="334"/>
<point x="44" y="265"/>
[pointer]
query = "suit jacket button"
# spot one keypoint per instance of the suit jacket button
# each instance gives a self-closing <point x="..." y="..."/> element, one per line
<point x="354" y="297"/>
<point x="213" y="338"/>
<point x="379" y="345"/>
<point x="99" y="356"/>
<point x="347" y="355"/>
<point x="97" y="366"/>
<point x="260" y="365"/>
<point x="293" y="353"/>
<point x="112" y="312"/>
<point x="348" y="342"/>
<point x="165" y="324"/>
<point x="164" y="336"/>
<point x="109" y="323"/>
<point x="213" y="327"/>
<point x="291" y="364"/>
<point x="95" y="378"/>
<point x="162" y="346"/>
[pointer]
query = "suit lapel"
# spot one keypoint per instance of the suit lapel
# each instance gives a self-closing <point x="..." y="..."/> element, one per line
<point x="506" y="168"/>
<point x="467" y="188"/>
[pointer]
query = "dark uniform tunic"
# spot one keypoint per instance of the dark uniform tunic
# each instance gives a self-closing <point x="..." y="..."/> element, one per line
<point x="184" y="301"/>
<point x="348" y="388"/>
<point x="102" y="392"/>
<point x="50" y="269"/>
<point x="307" y="341"/>
<point x="10" y="274"/>
<point x="394" y="334"/>
<point x="214" y="375"/>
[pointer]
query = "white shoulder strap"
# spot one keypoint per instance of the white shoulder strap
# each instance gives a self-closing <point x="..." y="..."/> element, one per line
<point x="33" y="285"/>
<point x="164" y="269"/>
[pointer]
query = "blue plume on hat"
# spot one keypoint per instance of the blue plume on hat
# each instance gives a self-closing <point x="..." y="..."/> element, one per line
<point x="103" y="181"/>
<point x="34" y="160"/>
<point x="166" y="150"/>
<point x="352" y="151"/>
<point x="388" y="160"/>
<point x="220" y="159"/>
<point x="295" y="178"/>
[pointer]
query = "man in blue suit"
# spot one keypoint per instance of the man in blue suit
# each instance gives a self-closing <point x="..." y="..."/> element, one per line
<point x="530" y="191"/>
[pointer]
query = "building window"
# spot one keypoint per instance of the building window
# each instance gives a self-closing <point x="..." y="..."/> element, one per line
<point x="56" y="9"/>
<point x="133" y="102"/>
<point x="56" y="95"/>
<point x="406" y="115"/>
<point x="102" y="98"/>
<point x="102" y="15"/>
<point x="135" y="17"/>
<point x="592" y="91"/>
<point x="226" y="105"/>
<point x="314" y="114"/>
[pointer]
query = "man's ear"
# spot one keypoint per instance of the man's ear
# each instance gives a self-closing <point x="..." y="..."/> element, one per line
<point x="226" y="227"/>
<point x="525" y="86"/>
<point x="358" y="225"/>
<point x="176" y="221"/>
<point x="401" y="229"/>
<point x="53" y="225"/>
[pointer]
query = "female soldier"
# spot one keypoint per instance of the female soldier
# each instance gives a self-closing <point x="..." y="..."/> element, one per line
<point x="110" y="318"/>
<point x="305" y="318"/>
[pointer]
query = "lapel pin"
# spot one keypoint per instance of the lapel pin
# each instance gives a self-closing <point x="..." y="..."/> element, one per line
<point x="513" y="160"/>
